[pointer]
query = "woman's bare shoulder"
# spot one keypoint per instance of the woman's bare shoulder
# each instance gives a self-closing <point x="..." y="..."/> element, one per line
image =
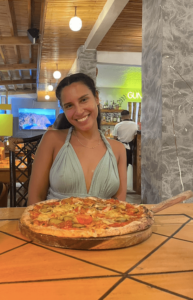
<point x="55" y="133"/>
<point x="52" y="137"/>
<point x="116" y="144"/>
<point x="117" y="147"/>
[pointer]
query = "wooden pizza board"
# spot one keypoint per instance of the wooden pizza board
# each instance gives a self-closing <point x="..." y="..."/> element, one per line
<point x="99" y="243"/>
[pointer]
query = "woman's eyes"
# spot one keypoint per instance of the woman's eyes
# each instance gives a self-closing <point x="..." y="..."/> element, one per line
<point x="67" y="106"/>
<point x="84" y="99"/>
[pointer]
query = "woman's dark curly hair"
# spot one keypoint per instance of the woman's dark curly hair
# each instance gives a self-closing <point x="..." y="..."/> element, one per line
<point x="78" y="77"/>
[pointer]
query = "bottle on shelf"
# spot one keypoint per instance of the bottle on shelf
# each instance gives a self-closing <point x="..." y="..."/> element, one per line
<point x="106" y="104"/>
<point x="114" y="118"/>
<point x="111" y="105"/>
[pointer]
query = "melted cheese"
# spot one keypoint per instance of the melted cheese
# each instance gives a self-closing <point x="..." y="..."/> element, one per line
<point x="44" y="217"/>
<point x="61" y="208"/>
<point x="108" y="221"/>
<point x="112" y="214"/>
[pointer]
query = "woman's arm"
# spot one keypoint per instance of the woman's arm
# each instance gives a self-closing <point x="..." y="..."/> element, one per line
<point x="120" y="154"/>
<point x="122" y="168"/>
<point x="39" y="180"/>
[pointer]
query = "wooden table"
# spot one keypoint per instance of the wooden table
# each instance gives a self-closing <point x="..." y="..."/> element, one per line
<point x="161" y="268"/>
<point x="5" y="171"/>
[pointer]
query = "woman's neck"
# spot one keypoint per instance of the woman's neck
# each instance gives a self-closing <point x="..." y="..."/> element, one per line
<point x="93" y="133"/>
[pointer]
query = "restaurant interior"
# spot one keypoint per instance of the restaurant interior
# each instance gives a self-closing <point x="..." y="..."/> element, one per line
<point x="138" y="64"/>
<point x="27" y="67"/>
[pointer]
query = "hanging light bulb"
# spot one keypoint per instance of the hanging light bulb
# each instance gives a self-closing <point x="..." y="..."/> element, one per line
<point x="75" y="23"/>
<point x="57" y="73"/>
<point x="47" y="97"/>
<point x="50" y="87"/>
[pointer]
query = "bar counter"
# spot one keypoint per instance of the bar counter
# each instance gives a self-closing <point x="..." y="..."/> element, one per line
<point x="159" y="268"/>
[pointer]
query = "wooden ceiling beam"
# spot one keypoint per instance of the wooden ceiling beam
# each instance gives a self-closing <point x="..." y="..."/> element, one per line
<point x="32" y="66"/>
<point x="19" y="92"/>
<point x="4" y="59"/>
<point x="13" y="27"/>
<point x="11" y="18"/>
<point x="2" y="54"/>
<point x="15" y="40"/>
<point x="22" y="81"/>
<point x="20" y="74"/>
<point x="41" y="34"/>
<point x="107" y="17"/>
<point x="29" y="10"/>
<point x="10" y="76"/>
<point x="29" y="13"/>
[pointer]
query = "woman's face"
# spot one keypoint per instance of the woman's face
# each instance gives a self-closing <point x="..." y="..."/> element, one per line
<point x="80" y="106"/>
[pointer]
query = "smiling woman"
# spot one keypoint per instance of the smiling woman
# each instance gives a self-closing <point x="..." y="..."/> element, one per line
<point x="78" y="160"/>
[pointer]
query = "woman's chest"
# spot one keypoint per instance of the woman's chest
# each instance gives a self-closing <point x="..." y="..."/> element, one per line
<point x="90" y="158"/>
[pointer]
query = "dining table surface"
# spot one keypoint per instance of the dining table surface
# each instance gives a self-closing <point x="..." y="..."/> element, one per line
<point x="159" y="268"/>
<point x="5" y="170"/>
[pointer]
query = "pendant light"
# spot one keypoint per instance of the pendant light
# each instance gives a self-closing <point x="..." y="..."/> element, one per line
<point x="50" y="87"/>
<point x="47" y="97"/>
<point x="57" y="73"/>
<point x="75" y="23"/>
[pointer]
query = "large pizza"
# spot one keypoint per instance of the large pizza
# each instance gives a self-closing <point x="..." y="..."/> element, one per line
<point x="86" y="217"/>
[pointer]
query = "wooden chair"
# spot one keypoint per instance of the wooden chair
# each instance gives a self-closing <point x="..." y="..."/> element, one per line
<point x="21" y="156"/>
<point x="4" y="190"/>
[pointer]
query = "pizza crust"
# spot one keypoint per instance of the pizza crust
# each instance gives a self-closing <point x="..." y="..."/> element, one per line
<point x="145" y="222"/>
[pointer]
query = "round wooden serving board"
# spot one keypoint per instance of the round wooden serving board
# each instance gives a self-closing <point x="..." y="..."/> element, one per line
<point x="111" y="242"/>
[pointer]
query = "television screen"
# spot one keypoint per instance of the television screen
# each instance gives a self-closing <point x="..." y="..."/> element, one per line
<point x="36" y="118"/>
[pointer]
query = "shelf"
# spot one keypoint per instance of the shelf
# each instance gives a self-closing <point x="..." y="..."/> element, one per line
<point x="111" y="110"/>
<point x="108" y="123"/>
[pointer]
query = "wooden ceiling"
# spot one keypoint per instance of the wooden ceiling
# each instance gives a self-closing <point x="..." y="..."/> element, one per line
<point x="28" y="68"/>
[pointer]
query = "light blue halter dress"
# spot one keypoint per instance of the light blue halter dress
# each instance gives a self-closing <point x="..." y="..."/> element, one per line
<point x="67" y="176"/>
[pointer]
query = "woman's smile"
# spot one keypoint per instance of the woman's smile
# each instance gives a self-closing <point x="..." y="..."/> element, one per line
<point x="83" y="119"/>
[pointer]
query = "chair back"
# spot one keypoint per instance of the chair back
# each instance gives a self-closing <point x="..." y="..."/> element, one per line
<point x="21" y="157"/>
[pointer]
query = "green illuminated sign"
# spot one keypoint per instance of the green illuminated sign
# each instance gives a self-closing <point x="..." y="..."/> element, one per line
<point x="134" y="95"/>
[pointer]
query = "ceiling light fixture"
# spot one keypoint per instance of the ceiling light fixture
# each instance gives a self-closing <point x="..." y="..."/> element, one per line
<point x="47" y="97"/>
<point x="75" y="23"/>
<point x="50" y="87"/>
<point x="57" y="73"/>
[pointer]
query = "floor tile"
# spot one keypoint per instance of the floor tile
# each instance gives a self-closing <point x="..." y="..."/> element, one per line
<point x="186" y="233"/>
<point x="175" y="255"/>
<point x="121" y="259"/>
<point x="180" y="283"/>
<point x="11" y="213"/>
<point x="87" y="289"/>
<point x="132" y="290"/>
<point x="7" y="243"/>
<point x="167" y="225"/>
<point x="33" y="263"/>
<point x="12" y="227"/>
